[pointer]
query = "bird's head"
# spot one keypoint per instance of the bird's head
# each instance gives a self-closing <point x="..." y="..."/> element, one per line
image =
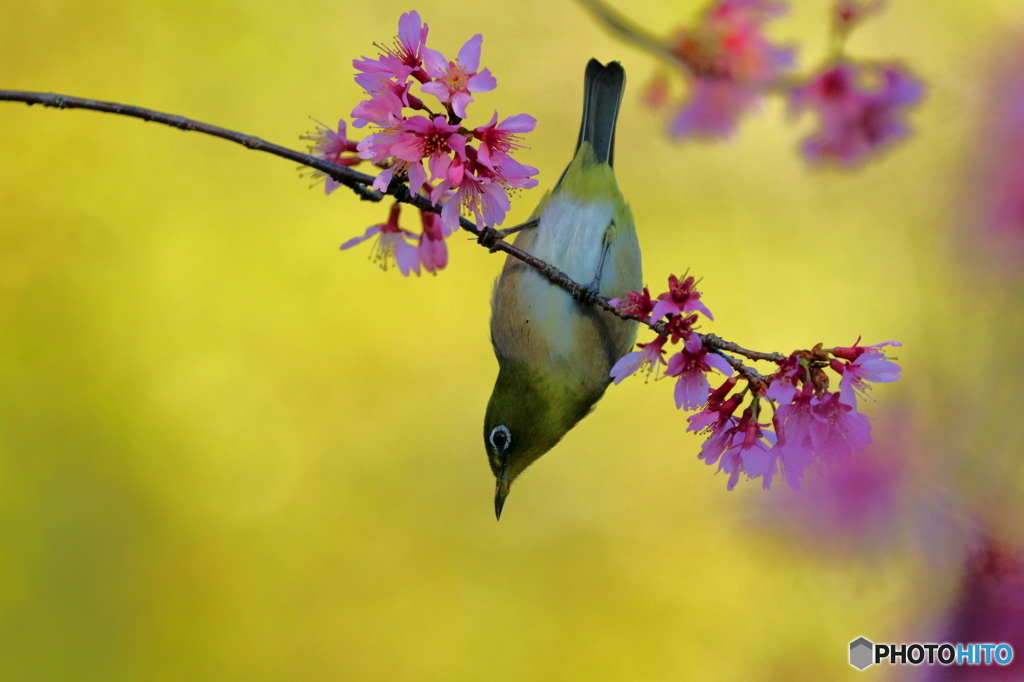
<point x="526" y="416"/>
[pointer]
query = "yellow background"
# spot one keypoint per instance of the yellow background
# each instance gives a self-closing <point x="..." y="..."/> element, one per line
<point x="229" y="451"/>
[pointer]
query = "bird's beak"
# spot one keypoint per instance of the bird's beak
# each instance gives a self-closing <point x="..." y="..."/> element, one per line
<point x="500" y="491"/>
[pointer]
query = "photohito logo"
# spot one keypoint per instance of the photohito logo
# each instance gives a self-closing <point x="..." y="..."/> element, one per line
<point x="864" y="653"/>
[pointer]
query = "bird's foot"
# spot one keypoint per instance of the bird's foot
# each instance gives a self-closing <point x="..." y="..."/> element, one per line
<point x="489" y="237"/>
<point x="587" y="295"/>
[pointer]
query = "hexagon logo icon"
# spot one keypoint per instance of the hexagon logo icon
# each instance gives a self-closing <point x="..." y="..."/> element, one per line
<point x="860" y="653"/>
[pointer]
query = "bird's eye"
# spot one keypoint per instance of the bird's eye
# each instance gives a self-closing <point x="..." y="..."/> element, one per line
<point x="500" y="439"/>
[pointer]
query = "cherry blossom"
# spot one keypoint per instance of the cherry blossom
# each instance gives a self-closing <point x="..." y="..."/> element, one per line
<point x="871" y="366"/>
<point x="730" y="66"/>
<point x="857" y="121"/>
<point x="638" y="304"/>
<point x="681" y="297"/>
<point x="741" y="448"/>
<point x="392" y="244"/>
<point x="454" y="82"/>
<point x="470" y="186"/>
<point x="403" y="59"/>
<point x="649" y="357"/>
<point x="333" y="146"/>
<point x="432" y="251"/>
<point x="691" y="365"/>
<point x="729" y="62"/>
<point x="497" y="140"/>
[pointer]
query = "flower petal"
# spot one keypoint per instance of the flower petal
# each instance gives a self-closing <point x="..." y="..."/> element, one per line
<point x="469" y="55"/>
<point x="482" y="82"/>
<point x="370" y="231"/>
<point x="716" y="361"/>
<point x="383" y="180"/>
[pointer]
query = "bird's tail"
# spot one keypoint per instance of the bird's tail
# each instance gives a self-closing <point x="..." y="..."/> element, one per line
<point x="602" y="94"/>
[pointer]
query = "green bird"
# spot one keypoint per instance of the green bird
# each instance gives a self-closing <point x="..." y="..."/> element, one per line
<point x="554" y="353"/>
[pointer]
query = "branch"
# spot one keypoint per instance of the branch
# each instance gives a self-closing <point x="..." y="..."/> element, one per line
<point x="361" y="184"/>
<point x="346" y="176"/>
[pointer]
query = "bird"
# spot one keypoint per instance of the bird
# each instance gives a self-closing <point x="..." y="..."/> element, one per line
<point x="554" y="352"/>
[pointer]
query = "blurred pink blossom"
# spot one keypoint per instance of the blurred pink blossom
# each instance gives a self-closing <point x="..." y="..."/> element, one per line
<point x="729" y="62"/>
<point x="989" y="608"/>
<point x="999" y="180"/>
<point x="861" y="110"/>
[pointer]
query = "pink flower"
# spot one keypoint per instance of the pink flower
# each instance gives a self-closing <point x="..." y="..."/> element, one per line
<point x="691" y="365"/>
<point x="681" y="297"/>
<point x="435" y="152"/>
<point x="730" y="62"/>
<point x="837" y="430"/>
<point x="332" y="146"/>
<point x="391" y="243"/>
<point x="714" y="109"/>
<point x="856" y="122"/>
<point x="718" y="411"/>
<point x="792" y="460"/>
<point x="868" y="367"/>
<point x="784" y="386"/>
<point x="432" y="251"/>
<point x="650" y="357"/>
<point x="384" y="109"/>
<point x="469" y="185"/>
<point x="486" y="200"/>
<point x="512" y="175"/>
<point x="453" y="82"/>
<point x="813" y="427"/>
<point x="423" y="138"/>
<point x="434" y="140"/>
<point x="400" y="61"/>
<point x="747" y="450"/>
<point x="410" y="141"/>
<point x="497" y="140"/>
<point x="637" y="304"/>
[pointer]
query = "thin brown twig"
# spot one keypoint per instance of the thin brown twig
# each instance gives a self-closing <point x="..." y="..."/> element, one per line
<point x="361" y="184"/>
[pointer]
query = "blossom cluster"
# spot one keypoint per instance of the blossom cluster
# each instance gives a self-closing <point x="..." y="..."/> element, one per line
<point x="681" y="305"/>
<point x="808" y="422"/>
<point x="730" y="65"/>
<point x="467" y="171"/>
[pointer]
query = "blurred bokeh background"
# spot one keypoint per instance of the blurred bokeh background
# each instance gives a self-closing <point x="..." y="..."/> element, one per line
<point x="229" y="451"/>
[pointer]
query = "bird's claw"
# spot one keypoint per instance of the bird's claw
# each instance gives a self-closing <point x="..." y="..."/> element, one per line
<point x="587" y="295"/>
<point x="489" y="237"/>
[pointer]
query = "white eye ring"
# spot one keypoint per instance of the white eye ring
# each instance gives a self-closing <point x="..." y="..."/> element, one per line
<point x="508" y="439"/>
